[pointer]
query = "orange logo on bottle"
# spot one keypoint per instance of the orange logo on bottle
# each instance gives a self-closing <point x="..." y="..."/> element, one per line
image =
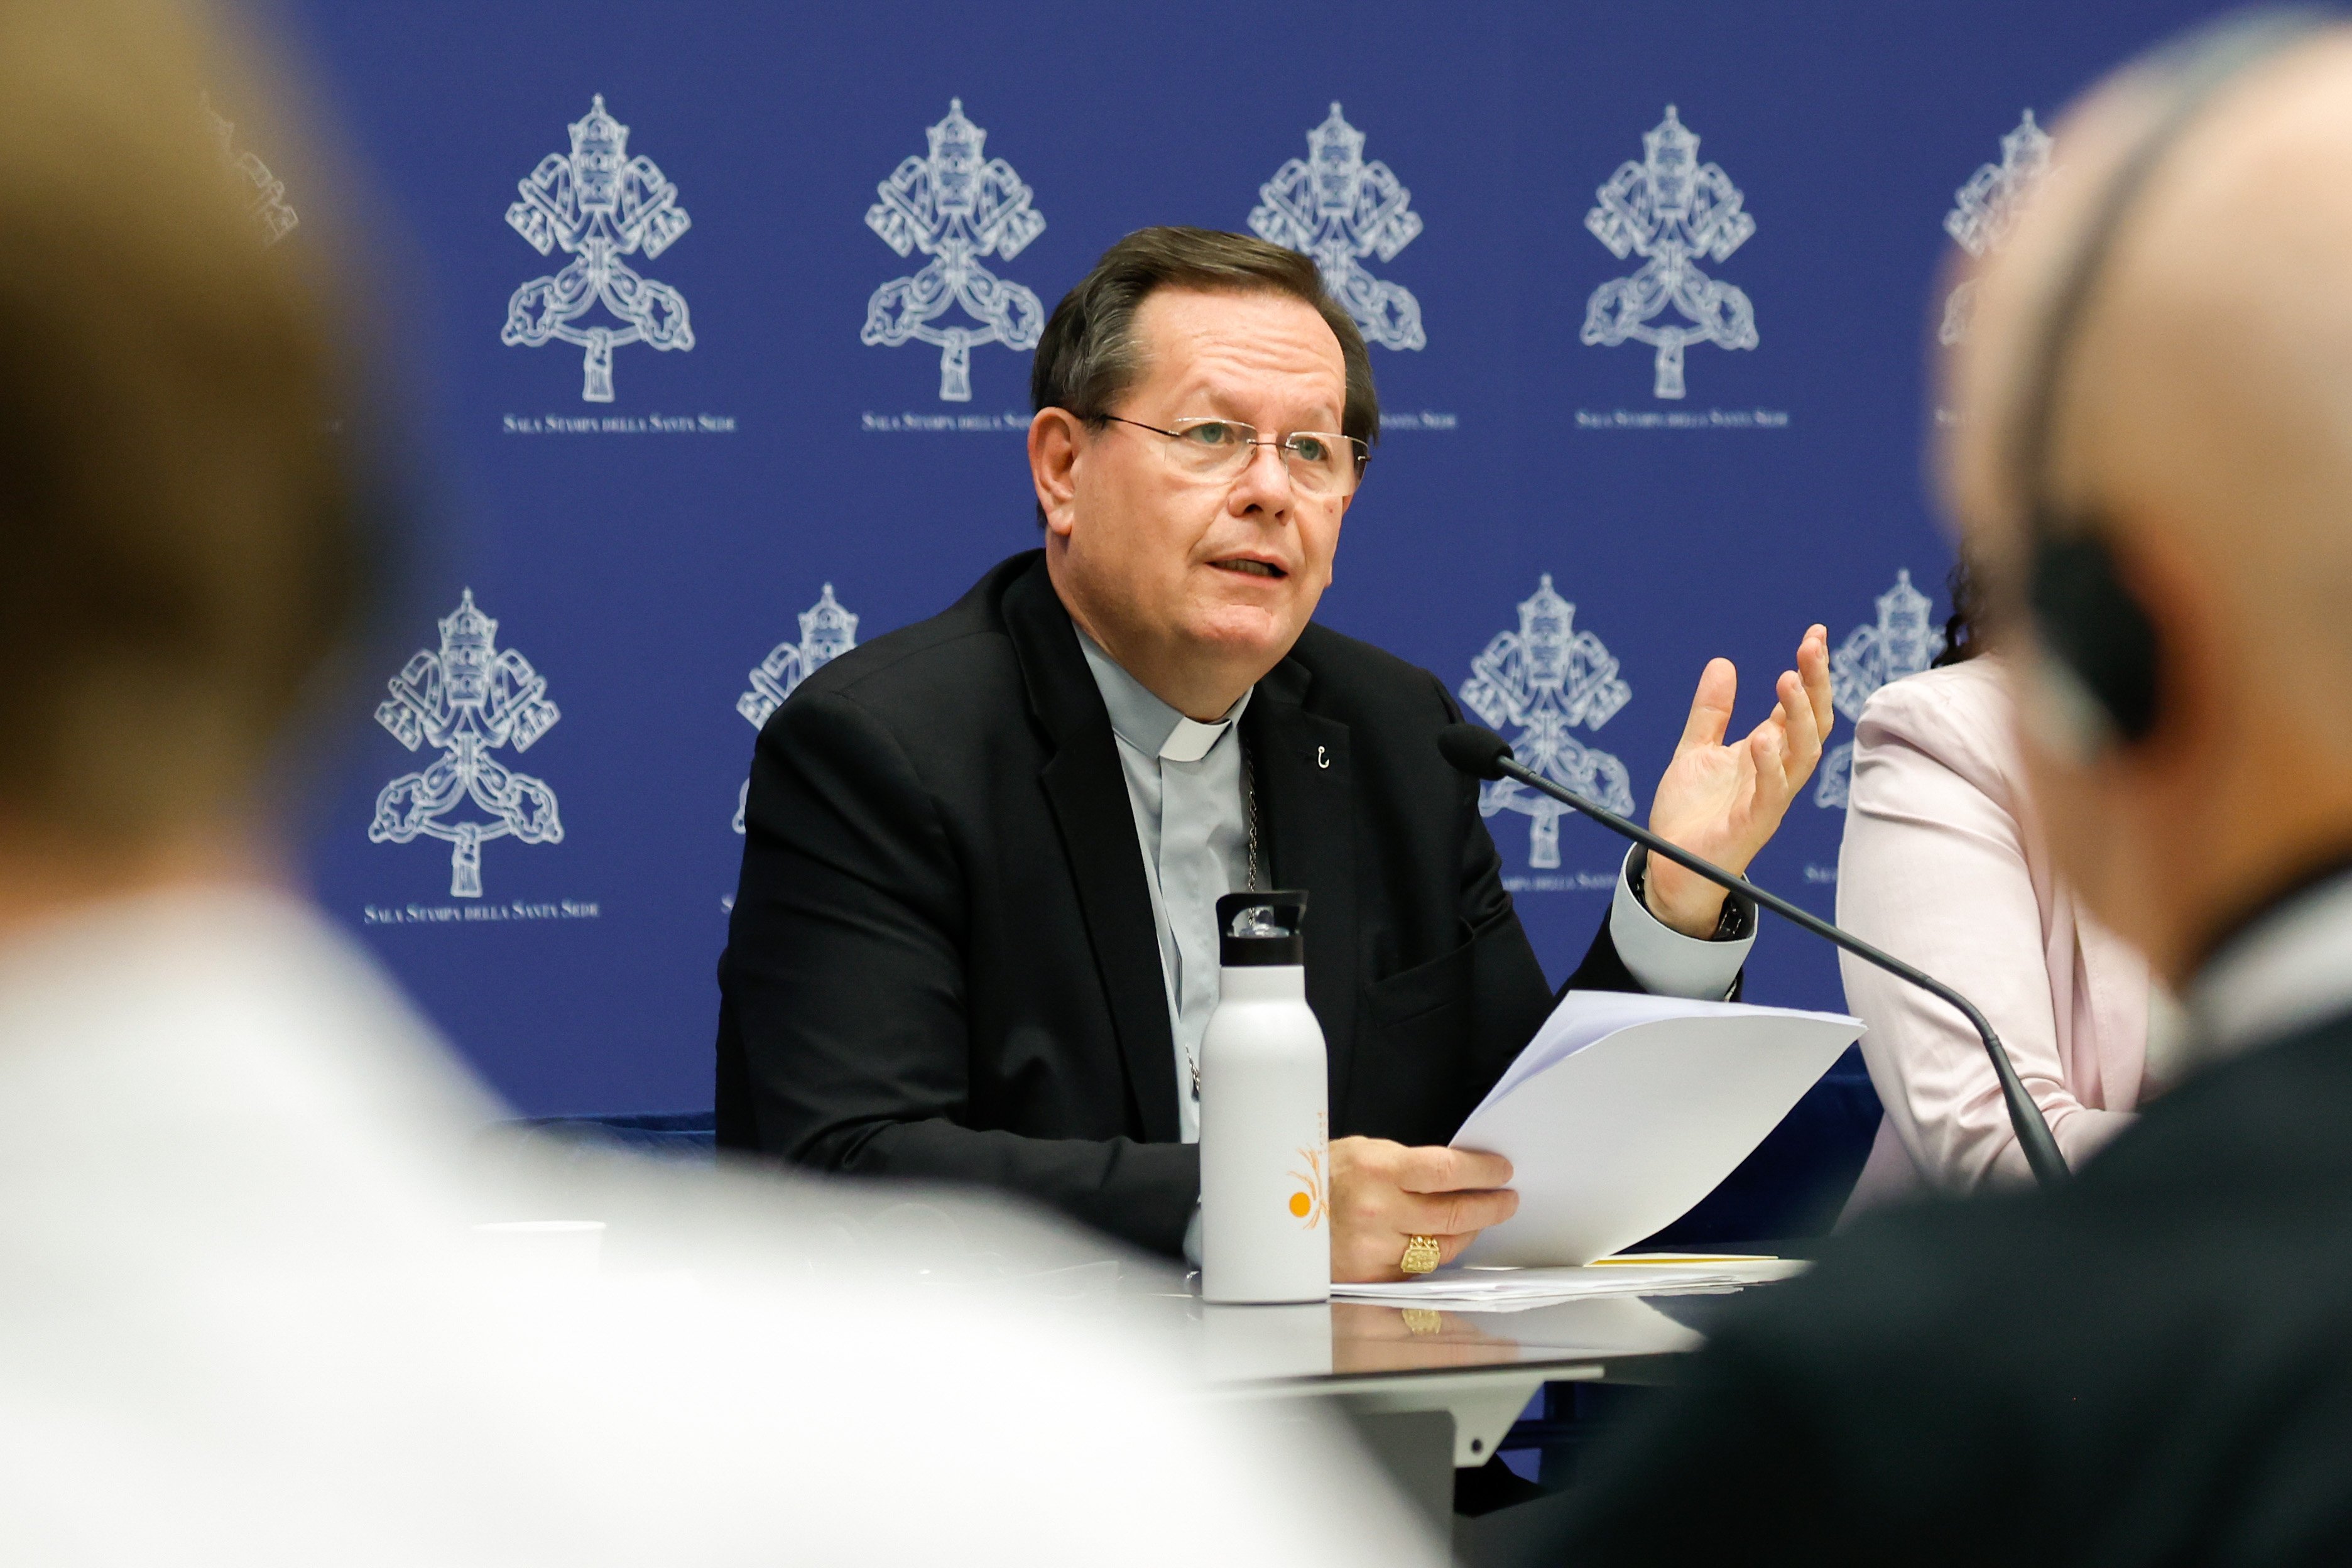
<point x="1307" y="1204"/>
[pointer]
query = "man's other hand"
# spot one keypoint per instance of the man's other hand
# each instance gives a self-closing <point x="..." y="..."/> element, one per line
<point x="1383" y="1195"/>
<point x="1724" y="803"/>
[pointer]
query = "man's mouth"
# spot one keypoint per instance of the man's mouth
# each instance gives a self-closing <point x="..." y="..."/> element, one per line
<point x="1250" y="568"/>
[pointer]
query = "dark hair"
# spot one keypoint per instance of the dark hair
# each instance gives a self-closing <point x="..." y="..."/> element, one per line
<point x="1963" y="632"/>
<point x="181" y="558"/>
<point x="1087" y="357"/>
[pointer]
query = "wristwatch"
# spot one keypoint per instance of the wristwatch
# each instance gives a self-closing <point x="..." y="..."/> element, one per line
<point x="1731" y="927"/>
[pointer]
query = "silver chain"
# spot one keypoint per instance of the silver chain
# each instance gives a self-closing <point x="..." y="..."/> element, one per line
<point x="1249" y="820"/>
<point x="1249" y="809"/>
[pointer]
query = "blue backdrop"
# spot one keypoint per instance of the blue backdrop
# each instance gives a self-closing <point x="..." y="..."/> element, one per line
<point x="643" y="555"/>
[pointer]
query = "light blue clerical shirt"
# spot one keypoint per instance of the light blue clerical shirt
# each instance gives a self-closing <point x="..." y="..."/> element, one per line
<point x="1184" y="786"/>
<point x="1185" y="783"/>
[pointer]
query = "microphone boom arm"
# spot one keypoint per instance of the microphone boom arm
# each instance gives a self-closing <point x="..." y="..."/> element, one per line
<point x="2025" y="1118"/>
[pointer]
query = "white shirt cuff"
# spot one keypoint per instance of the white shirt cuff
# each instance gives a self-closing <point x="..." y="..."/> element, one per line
<point x="1663" y="960"/>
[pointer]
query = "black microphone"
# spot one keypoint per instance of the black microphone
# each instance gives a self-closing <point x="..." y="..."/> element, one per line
<point x="1484" y="754"/>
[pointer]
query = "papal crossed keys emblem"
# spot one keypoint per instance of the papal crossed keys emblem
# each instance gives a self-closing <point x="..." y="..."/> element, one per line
<point x="600" y="206"/>
<point x="1546" y="678"/>
<point x="1904" y="641"/>
<point x="956" y="208"/>
<point x="827" y="631"/>
<point x="1673" y="212"/>
<point x="1338" y="210"/>
<point x="1986" y="208"/>
<point x="468" y="699"/>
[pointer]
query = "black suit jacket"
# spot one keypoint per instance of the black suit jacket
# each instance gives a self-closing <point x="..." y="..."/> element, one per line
<point x="2152" y="1366"/>
<point x="941" y="961"/>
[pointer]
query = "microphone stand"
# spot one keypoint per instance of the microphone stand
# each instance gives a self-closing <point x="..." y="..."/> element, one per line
<point x="2032" y="1132"/>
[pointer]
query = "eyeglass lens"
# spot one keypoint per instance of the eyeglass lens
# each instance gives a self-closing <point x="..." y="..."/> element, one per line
<point x="1320" y="463"/>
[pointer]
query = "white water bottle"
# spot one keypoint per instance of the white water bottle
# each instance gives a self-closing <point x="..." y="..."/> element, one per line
<point x="1265" y="1169"/>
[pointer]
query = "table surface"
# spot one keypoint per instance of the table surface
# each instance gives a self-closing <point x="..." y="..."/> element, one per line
<point x="1345" y="1341"/>
<point x="1625" y="1335"/>
<point x="1482" y="1368"/>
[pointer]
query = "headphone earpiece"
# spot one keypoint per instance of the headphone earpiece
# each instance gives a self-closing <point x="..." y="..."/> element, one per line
<point x="2097" y="642"/>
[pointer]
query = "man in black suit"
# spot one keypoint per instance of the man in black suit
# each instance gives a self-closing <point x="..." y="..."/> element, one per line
<point x="2152" y="1364"/>
<point x="973" y="939"/>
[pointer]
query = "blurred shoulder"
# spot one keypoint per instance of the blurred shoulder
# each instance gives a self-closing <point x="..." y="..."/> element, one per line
<point x="1933" y="1345"/>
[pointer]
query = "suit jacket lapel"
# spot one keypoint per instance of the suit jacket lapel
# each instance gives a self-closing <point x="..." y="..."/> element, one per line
<point x="1089" y="795"/>
<point x="1307" y="807"/>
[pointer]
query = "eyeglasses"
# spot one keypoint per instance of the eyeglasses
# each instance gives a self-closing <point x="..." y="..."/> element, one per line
<point x="1322" y="465"/>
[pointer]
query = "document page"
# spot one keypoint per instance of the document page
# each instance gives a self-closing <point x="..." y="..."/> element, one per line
<point x="1626" y="1110"/>
<point x="1483" y="1290"/>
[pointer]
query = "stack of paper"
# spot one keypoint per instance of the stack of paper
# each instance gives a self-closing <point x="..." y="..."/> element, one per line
<point x="1476" y="1289"/>
<point x="1625" y="1110"/>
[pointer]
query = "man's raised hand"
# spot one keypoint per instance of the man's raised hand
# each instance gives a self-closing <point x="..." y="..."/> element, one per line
<point x="1725" y="802"/>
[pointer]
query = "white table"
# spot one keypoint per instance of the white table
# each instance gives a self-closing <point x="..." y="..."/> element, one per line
<point x="1479" y="1368"/>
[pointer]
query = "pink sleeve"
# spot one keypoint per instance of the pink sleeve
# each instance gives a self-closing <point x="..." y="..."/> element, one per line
<point x="1933" y="870"/>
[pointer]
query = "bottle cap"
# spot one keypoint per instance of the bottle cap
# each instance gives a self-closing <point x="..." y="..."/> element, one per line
<point x="1262" y="929"/>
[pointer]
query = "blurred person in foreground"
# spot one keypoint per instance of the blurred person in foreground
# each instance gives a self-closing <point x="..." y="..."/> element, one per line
<point x="2152" y="1364"/>
<point x="241" y="1320"/>
<point x="1946" y="863"/>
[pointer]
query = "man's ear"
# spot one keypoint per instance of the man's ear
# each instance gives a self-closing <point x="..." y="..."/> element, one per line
<point x="1056" y="437"/>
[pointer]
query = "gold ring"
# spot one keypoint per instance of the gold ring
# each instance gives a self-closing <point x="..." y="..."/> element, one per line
<point x="1420" y="1255"/>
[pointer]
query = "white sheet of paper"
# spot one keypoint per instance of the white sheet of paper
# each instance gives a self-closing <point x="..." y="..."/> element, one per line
<point x="1626" y="1110"/>
<point x="1479" y="1289"/>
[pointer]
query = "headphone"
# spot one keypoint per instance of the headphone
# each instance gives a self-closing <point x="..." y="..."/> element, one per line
<point x="2097" y="684"/>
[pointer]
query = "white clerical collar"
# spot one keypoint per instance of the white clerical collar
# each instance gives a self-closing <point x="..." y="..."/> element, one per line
<point x="1144" y="722"/>
<point x="2291" y="969"/>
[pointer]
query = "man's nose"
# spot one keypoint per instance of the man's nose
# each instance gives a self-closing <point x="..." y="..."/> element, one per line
<point x="1265" y="483"/>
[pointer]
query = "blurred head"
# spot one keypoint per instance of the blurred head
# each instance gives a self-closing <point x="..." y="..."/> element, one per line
<point x="1197" y="571"/>
<point x="176" y="522"/>
<point x="2204" y="423"/>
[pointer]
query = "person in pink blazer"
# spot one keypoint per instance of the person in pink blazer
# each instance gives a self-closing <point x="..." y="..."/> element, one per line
<point x="1944" y="865"/>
